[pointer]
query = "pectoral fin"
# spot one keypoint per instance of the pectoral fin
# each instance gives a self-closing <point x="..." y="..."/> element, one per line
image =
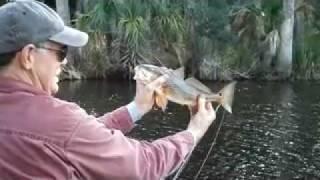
<point x="179" y="72"/>
<point x="161" y="102"/>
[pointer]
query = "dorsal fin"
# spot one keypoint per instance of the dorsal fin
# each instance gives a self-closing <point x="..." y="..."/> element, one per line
<point x="179" y="72"/>
<point x="198" y="85"/>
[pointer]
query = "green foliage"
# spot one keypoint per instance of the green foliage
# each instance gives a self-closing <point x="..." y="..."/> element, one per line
<point x="272" y="10"/>
<point x="125" y="31"/>
<point x="100" y="19"/>
<point x="2" y="2"/>
<point x="307" y="60"/>
<point x="210" y="19"/>
<point x="96" y="62"/>
<point x="132" y="32"/>
<point x="132" y="25"/>
<point x="168" y="21"/>
<point x="99" y="16"/>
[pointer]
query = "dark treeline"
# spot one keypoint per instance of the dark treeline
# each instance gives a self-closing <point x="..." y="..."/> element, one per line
<point x="215" y="40"/>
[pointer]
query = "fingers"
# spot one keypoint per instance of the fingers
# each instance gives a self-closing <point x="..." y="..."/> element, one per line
<point x="166" y="69"/>
<point x="193" y="110"/>
<point x="139" y="85"/>
<point x="190" y="110"/>
<point x="140" y="82"/>
<point x="158" y="82"/>
<point x="201" y="103"/>
<point x="209" y="106"/>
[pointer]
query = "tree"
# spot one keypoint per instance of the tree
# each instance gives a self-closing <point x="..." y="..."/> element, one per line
<point x="284" y="65"/>
<point x="2" y="2"/>
<point x="62" y="7"/>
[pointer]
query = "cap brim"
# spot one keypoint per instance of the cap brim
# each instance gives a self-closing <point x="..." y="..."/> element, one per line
<point x="71" y="37"/>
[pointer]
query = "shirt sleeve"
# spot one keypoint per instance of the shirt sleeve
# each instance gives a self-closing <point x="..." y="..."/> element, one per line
<point x="97" y="152"/>
<point x="119" y="119"/>
<point x="135" y="114"/>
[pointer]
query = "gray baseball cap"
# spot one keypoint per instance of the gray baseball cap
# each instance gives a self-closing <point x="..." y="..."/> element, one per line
<point x="25" y="22"/>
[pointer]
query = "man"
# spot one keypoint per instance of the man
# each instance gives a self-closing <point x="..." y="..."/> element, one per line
<point x="42" y="137"/>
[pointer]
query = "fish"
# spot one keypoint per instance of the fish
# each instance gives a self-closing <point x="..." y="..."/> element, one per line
<point x="182" y="91"/>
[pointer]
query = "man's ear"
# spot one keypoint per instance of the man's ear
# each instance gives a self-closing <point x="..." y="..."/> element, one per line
<point x="27" y="56"/>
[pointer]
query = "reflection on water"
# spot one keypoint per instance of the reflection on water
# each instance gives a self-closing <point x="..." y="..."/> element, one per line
<point x="272" y="134"/>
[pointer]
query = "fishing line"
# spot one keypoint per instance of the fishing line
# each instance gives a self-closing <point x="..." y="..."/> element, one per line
<point x="181" y="168"/>
<point x="211" y="148"/>
<point x="183" y="165"/>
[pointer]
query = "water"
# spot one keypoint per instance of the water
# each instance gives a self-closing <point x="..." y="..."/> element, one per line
<point x="274" y="132"/>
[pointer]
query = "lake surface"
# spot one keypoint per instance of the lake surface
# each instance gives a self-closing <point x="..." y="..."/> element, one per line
<point x="273" y="133"/>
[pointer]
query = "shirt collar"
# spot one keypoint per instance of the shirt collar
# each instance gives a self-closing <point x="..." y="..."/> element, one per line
<point x="9" y="85"/>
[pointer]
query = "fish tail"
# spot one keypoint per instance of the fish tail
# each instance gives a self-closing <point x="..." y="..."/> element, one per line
<point x="227" y="94"/>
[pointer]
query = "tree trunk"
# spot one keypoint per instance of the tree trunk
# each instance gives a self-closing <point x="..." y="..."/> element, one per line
<point x="70" y="72"/>
<point x="284" y="65"/>
<point x="299" y="36"/>
<point x="62" y="7"/>
<point x="2" y="2"/>
<point x="260" y="21"/>
<point x="192" y="62"/>
<point x="82" y="6"/>
<point x="267" y="52"/>
<point x="194" y="38"/>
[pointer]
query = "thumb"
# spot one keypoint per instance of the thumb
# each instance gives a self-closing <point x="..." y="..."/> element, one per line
<point x="209" y="106"/>
<point x="201" y="103"/>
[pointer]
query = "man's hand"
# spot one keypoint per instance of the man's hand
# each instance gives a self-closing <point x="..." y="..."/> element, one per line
<point x="144" y="98"/>
<point x="202" y="117"/>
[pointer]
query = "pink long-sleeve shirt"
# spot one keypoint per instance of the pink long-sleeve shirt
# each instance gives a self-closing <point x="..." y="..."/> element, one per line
<point x="42" y="137"/>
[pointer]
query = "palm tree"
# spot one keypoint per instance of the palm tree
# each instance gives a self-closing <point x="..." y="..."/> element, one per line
<point x="169" y="27"/>
<point x="284" y="65"/>
<point x="2" y="2"/>
<point x="63" y="10"/>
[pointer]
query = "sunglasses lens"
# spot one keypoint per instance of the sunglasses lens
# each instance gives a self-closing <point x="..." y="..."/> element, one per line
<point x="62" y="54"/>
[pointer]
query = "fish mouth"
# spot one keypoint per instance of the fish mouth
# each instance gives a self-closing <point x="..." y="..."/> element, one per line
<point x="144" y="73"/>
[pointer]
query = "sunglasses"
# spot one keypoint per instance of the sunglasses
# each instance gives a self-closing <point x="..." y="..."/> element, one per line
<point x="61" y="53"/>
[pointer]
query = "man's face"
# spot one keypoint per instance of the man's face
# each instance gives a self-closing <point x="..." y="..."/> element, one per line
<point x="48" y="65"/>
